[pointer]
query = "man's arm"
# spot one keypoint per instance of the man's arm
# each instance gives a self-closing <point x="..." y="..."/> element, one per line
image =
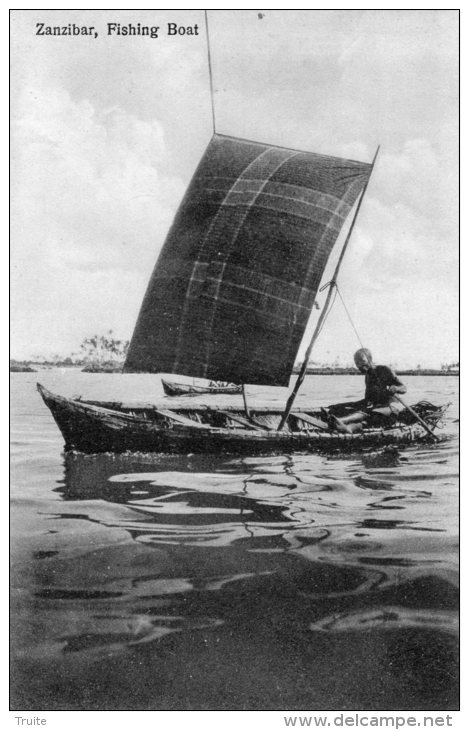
<point x="396" y="386"/>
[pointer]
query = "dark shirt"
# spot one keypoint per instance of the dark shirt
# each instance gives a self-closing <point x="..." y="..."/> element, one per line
<point x="376" y="381"/>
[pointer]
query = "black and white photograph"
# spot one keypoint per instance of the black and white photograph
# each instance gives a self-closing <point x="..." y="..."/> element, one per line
<point x="234" y="362"/>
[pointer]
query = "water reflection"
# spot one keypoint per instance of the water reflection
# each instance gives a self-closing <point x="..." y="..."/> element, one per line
<point x="235" y="521"/>
<point x="214" y="582"/>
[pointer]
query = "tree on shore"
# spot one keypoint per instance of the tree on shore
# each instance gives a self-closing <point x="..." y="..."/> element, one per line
<point x="451" y="366"/>
<point x="104" y="348"/>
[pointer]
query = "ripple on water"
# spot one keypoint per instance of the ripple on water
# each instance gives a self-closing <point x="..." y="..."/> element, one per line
<point x="216" y="572"/>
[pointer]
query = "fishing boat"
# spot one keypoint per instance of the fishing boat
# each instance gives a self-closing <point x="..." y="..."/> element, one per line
<point x="174" y="389"/>
<point x="229" y="299"/>
<point x="96" y="427"/>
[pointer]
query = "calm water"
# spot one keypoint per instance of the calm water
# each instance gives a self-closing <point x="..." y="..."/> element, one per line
<point x="299" y="582"/>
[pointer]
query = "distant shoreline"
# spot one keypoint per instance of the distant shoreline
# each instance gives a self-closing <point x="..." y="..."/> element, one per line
<point x="29" y="366"/>
<point x="352" y="371"/>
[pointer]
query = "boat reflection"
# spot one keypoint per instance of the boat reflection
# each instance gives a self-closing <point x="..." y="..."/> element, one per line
<point x="284" y="516"/>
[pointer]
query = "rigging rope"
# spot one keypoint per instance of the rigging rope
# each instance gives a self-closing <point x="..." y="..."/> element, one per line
<point x="350" y="318"/>
<point x="337" y="291"/>
<point x="210" y="73"/>
<point x="331" y="283"/>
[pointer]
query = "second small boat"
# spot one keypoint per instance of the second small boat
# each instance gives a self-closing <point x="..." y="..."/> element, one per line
<point x="171" y="388"/>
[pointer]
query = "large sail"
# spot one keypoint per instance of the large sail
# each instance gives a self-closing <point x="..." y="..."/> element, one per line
<point x="234" y="285"/>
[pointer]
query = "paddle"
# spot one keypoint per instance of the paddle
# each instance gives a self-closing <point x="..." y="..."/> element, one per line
<point x="416" y="415"/>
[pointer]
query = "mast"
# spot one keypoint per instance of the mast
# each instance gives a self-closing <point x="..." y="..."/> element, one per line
<point x="210" y="73"/>
<point x="325" y="309"/>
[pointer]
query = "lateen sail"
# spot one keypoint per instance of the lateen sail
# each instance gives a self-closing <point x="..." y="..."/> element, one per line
<point x="234" y="285"/>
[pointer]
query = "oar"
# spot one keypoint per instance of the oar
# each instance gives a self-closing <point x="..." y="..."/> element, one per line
<point x="416" y="415"/>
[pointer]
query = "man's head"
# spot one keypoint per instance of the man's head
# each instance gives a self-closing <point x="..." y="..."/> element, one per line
<point x="363" y="359"/>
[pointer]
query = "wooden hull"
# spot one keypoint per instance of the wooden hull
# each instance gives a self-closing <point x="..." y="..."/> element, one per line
<point x="171" y="388"/>
<point x="92" y="428"/>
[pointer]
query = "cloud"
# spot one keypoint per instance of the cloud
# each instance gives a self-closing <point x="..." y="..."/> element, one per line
<point x="106" y="136"/>
<point x="93" y="194"/>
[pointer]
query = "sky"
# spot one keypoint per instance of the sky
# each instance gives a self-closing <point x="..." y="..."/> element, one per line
<point x="106" y="133"/>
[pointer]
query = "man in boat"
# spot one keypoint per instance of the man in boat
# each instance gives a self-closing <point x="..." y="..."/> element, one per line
<point x="379" y="403"/>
